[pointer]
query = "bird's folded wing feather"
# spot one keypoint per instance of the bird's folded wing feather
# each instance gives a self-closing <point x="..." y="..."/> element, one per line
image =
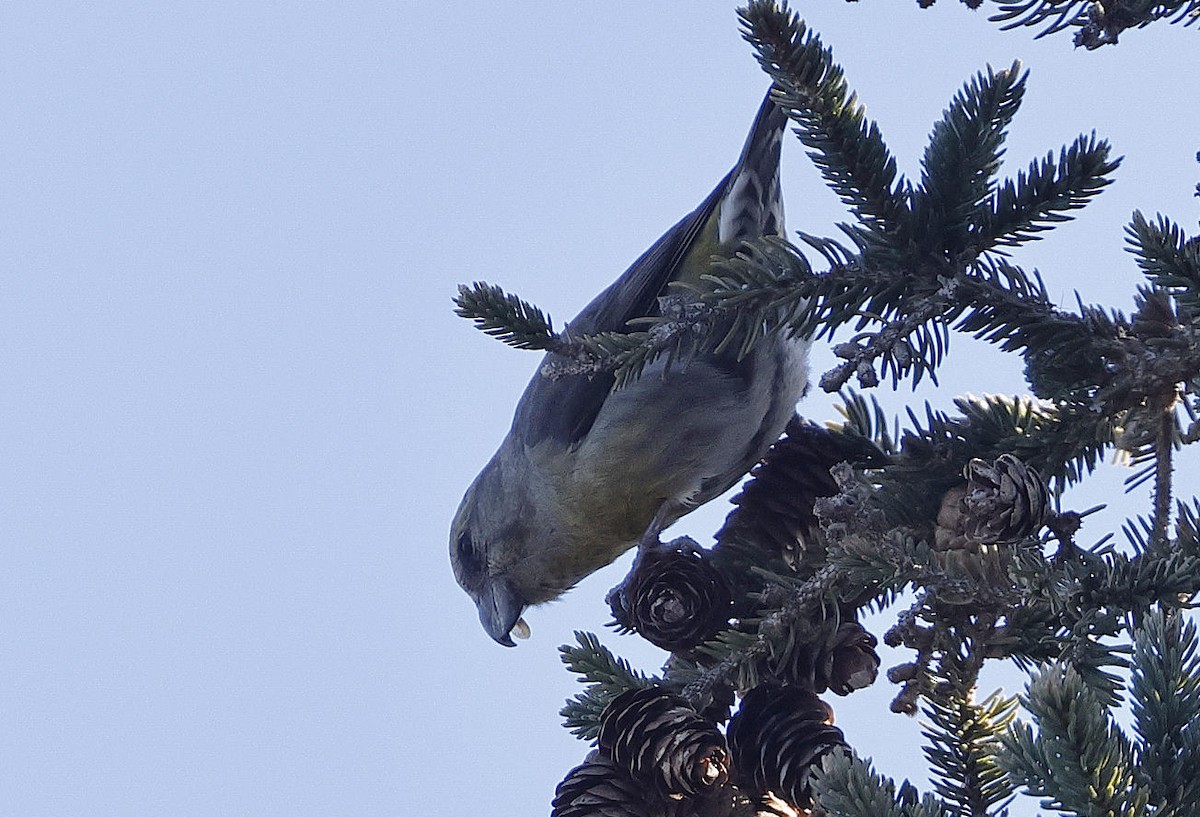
<point x="564" y="409"/>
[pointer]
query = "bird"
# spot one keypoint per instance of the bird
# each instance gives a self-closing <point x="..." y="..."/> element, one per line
<point x="589" y="470"/>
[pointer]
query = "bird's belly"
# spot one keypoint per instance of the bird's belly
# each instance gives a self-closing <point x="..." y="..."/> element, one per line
<point x="661" y="446"/>
<point x="682" y="438"/>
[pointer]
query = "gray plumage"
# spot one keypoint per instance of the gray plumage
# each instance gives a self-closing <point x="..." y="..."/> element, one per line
<point x="586" y="471"/>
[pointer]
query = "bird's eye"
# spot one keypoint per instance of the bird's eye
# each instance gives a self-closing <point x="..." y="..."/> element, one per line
<point x="470" y="558"/>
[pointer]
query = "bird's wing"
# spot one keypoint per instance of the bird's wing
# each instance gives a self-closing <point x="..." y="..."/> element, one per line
<point x="564" y="409"/>
<point x="747" y="204"/>
<point x="635" y="294"/>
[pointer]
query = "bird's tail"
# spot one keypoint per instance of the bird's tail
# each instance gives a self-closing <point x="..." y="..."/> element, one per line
<point x="752" y="205"/>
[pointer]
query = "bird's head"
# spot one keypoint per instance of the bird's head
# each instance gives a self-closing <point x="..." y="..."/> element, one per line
<point x="486" y="542"/>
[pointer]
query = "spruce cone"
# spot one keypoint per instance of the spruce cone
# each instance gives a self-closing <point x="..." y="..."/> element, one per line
<point x="673" y="597"/>
<point x="598" y="787"/>
<point x="951" y="530"/>
<point x="661" y="741"/>
<point x="776" y="737"/>
<point x="841" y="658"/>
<point x="775" y="508"/>
<point x="1005" y="501"/>
<point x="723" y="803"/>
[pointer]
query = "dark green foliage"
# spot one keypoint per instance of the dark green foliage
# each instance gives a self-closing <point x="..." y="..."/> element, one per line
<point x="957" y="513"/>
<point x="1082" y="763"/>
<point x="847" y="786"/>
<point x="964" y="740"/>
<point x="1042" y="196"/>
<point x="1165" y="698"/>
<point x="937" y="447"/>
<point x="765" y="286"/>
<point x="608" y="676"/>
<point x="1095" y="24"/>
<point x="963" y="156"/>
<point x="921" y="259"/>
<point x="1078" y="760"/>
<point x="1168" y="258"/>
<point x="505" y="317"/>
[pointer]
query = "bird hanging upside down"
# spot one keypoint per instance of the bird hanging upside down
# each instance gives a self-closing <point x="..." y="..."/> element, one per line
<point x="588" y="471"/>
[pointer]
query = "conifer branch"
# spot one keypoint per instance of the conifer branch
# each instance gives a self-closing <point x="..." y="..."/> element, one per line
<point x="1164" y="446"/>
<point x="738" y="652"/>
<point x="1168" y="257"/>
<point x="522" y="325"/>
<point x="847" y="147"/>
<point x="1043" y="196"/>
<point x="864" y="416"/>
<point x="847" y="786"/>
<point x="914" y="343"/>
<point x="1096" y="24"/>
<point x="597" y="664"/>
<point x="505" y="317"/>
<point x="950" y="508"/>
<point x="913" y="271"/>
<point x="626" y="353"/>
<point x="1078" y="759"/>
<point x="1060" y="442"/>
<point x="963" y="156"/>
<point x="963" y="742"/>
<point x="1053" y="15"/>
<point x="608" y="676"/>
<point x="1165" y="700"/>
<point x="1004" y="305"/>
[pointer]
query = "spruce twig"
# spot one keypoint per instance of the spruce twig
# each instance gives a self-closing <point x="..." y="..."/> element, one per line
<point x="799" y="606"/>
<point x="505" y="316"/>
<point x="608" y="675"/>
<point x="1095" y="24"/>
<point x="1078" y="760"/>
<point x="963" y="743"/>
<point x="1165" y="700"/>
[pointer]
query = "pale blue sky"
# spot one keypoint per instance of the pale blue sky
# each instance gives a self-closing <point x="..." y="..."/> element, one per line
<point x="238" y="412"/>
